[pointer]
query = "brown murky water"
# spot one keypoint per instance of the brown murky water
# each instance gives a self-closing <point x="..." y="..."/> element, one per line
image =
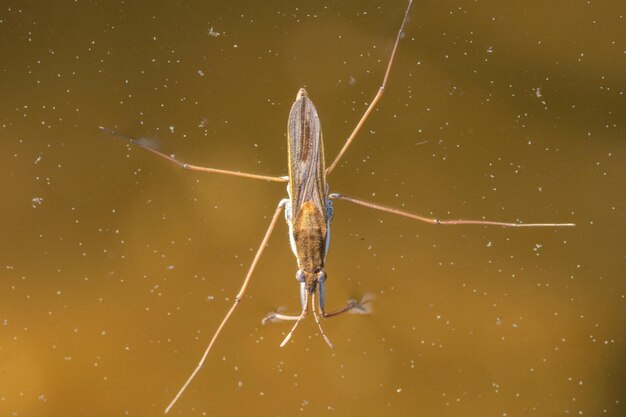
<point x="116" y="267"/>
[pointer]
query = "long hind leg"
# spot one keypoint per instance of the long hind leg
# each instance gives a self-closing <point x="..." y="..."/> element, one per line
<point x="238" y="299"/>
<point x="379" y="94"/>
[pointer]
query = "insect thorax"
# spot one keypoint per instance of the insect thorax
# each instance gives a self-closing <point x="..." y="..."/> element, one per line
<point x="309" y="231"/>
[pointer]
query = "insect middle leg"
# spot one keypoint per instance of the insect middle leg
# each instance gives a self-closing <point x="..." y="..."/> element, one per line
<point x="190" y="167"/>
<point x="431" y="220"/>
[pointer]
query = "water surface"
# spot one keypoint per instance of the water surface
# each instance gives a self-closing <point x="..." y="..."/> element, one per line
<point x="117" y="266"/>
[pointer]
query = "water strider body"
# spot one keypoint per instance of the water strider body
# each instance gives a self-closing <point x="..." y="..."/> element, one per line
<point x="309" y="210"/>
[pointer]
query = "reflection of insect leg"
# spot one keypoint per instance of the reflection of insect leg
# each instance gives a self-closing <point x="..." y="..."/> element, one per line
<point x="437" y="221"/>
<point x="301" y="316"/>
<point x="238" y="298"/>
<point x="362" y="307"/>
<point x="377" y="97"/>
<point x="189" y="166"/>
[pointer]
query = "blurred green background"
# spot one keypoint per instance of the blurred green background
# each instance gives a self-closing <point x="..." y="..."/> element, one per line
<point x="116" y="267"/>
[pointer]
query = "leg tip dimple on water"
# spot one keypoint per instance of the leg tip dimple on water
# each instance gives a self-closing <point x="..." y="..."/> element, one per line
<point x="364" y="306"/>
<point x="269" y="317"/>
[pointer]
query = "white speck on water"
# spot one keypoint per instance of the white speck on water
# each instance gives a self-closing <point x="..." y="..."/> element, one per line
<point x="36" y="201"/>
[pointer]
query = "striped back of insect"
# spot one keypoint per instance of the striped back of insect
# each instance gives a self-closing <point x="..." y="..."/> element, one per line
<point x="307" y="177"/>
<point x="307" y="183"/>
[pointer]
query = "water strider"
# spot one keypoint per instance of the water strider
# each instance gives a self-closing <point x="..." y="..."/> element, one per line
<point x="309" y="211"/>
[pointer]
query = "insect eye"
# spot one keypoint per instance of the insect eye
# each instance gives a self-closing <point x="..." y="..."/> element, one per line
<point x="321" y="276"/>
<point x="300" y="276"/>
